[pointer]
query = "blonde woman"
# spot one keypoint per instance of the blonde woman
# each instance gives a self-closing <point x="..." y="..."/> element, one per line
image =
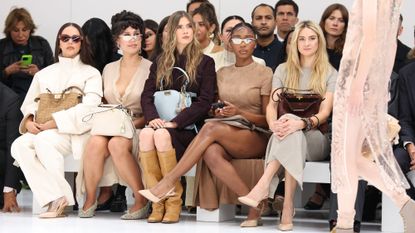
<point x="293" y="142"/>
<point x="162" y="142"/>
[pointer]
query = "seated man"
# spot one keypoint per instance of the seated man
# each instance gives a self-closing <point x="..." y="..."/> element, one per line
<point x="9" y="123"/>
<point x="405" y="153"/>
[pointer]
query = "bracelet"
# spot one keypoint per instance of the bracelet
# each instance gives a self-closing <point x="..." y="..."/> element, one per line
<point x="318" y="121"/>
<point x="308" y="122"/>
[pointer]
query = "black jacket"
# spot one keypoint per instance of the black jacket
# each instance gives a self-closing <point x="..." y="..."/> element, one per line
<point x="42" y="56"/>
<point x="401" y="58"/>
<point x="406" y="113"/>
<point x="9" y="131"/>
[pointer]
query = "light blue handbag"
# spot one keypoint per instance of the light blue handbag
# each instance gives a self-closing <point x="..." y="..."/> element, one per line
<point x="169" y="103"/>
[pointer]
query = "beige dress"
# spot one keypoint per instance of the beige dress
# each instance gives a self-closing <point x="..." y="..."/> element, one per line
<point x="243" y="87"/>
<point x="131" y="100"/>
<point x="296" y="148"/>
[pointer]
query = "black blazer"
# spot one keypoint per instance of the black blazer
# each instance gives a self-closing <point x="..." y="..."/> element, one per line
<point x="9" y="130"/>
<point x="406" y="113"/>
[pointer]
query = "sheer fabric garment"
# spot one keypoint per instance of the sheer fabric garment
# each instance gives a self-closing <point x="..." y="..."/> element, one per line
<point x="375" y="97"/>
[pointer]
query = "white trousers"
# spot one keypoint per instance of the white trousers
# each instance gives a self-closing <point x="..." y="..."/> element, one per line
<point x="41" y="158"/>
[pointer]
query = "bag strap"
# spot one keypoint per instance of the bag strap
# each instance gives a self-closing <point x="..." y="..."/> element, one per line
<point x="73" y="87"/>
<point x="185" y="83"/>
<point x="89" y="116"/>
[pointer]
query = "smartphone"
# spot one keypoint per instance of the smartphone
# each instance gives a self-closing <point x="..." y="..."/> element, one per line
<point x="26" y="60"/>
<point x="217" y="105"/>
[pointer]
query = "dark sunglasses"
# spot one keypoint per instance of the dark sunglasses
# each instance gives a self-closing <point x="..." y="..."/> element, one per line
<point x="74" y="38"/>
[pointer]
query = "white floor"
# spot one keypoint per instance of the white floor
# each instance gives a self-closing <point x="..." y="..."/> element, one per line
<point x="105" y="222"/>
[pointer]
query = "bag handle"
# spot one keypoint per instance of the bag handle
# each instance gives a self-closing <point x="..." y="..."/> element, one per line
<point x="63" y="92"/>
<point x="185" y="83"/>
<point x="108" y="108"/>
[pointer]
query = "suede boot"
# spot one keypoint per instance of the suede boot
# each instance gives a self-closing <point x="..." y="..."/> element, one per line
<point x="152" y="175"/>
<point x="173" y="205"/>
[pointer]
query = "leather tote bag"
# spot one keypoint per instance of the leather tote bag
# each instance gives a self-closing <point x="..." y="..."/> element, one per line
<point x="50" y="103"/>
<point x="169" y="103"/>
<point x="111" y="120"/>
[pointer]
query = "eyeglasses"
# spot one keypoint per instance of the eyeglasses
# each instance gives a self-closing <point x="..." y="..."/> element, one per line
<point x="74" y="38"/>
<point x="128" y="37"/>
<point x="240" y="40"/>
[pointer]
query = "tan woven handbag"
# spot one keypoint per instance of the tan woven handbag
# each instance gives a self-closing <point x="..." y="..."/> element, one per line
<point x="54" y="102"/>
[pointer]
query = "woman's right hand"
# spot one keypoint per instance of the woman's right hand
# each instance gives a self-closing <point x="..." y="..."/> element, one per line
<point x="33" y="127"/>
<point x="12" y="68"/>
<point x="157" y="123"/>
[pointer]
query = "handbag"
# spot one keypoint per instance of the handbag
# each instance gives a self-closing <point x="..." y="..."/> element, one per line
<point x="302" y="103"/>
<point x="393" y="129"/>
<point x="239" y="122"/>
<point x="111" y="120"/>
<point x="50" y="103"/>
<point x="169" y="103"/>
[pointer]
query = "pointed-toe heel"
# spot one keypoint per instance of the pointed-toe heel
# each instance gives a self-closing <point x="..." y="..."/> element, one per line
<point x="89" y="213"/>
<point x="58" y="213"/>
<point x="139" y="214"/>
<point x="252" y="223"/>
<point x="150" y="196"/>
<point x="285" y="227"/>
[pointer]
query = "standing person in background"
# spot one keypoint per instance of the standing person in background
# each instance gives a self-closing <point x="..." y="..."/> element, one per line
<point x="41" y="149"/>
<point x="268" y="46"/>
<point x="207" y="29"/>
<point x="161" y="36"/>
<point x="360" y="113"/>
<point x="150" y="37"/>
<point x="402" y="51"/>
<point x="19" y="29"/>
<point x="104" y="51"/>
<point x="163" y="142"/>
<point x="192" y="5"/>
<point x="286" y="17"/>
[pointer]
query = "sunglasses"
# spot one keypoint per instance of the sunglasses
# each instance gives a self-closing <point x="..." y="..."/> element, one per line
<point x="240" y="40"/>
<point x="74" y="38"/>
<point x="128" y="37"/>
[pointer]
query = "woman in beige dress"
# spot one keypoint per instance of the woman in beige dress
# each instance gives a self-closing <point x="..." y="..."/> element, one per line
<point x="123" y="83"/>
<point x="296" y="139"/>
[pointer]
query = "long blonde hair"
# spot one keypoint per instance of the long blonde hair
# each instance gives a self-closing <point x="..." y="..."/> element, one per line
<point x="321" y="66"/>
<point x="192" y="52"/>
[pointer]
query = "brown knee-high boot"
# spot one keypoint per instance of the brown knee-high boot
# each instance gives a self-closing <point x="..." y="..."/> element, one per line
<point x="173" y="205"/>
<point x="152" y="175"/>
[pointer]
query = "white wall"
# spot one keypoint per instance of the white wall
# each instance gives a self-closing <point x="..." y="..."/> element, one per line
<point x="49" y="15"/>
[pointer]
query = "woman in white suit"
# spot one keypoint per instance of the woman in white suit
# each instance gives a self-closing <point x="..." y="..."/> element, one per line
<point x="41" y="149"/>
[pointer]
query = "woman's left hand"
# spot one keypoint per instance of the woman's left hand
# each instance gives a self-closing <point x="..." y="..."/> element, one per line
<point x="48" y="125"/>
<point x="229" y="110"/>
<point x="31" y="70"/>
<point x="287" y="126"/>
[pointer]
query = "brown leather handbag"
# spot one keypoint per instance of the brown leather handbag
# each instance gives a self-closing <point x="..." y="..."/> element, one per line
<point x="50" y="103"/>
<point x="302" y="103"/>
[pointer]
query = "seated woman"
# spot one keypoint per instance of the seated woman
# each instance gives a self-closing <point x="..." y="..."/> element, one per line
<point x="123" y="83"/>
<point x="226" y="57"/>
<point x="293" y="142"/>
<point x="162" y="142"/>
<point x="218" y="143"/>
<point x="41" y="149"/>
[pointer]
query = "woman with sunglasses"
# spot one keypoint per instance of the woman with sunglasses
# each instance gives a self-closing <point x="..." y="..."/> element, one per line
<point x="226" y="57"/>
<point x="163" y="142"/>
<point x="296" y="139"/>
<point x="111" y="160"/>
<point x="218" y="143"/>
<point x="41" y="149"/>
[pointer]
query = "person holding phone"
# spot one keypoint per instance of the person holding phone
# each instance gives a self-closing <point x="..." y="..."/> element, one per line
<point x="20" y="47"/>
<point x="22" y="54"/>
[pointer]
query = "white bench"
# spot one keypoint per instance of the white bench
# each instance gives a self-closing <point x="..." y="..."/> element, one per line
<point x="314" y="172"/>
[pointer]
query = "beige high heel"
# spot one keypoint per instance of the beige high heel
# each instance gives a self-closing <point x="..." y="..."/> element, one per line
<point x="150" y="196"/>
<point x="58" y="212"/>
<point x="286" y="226"/>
